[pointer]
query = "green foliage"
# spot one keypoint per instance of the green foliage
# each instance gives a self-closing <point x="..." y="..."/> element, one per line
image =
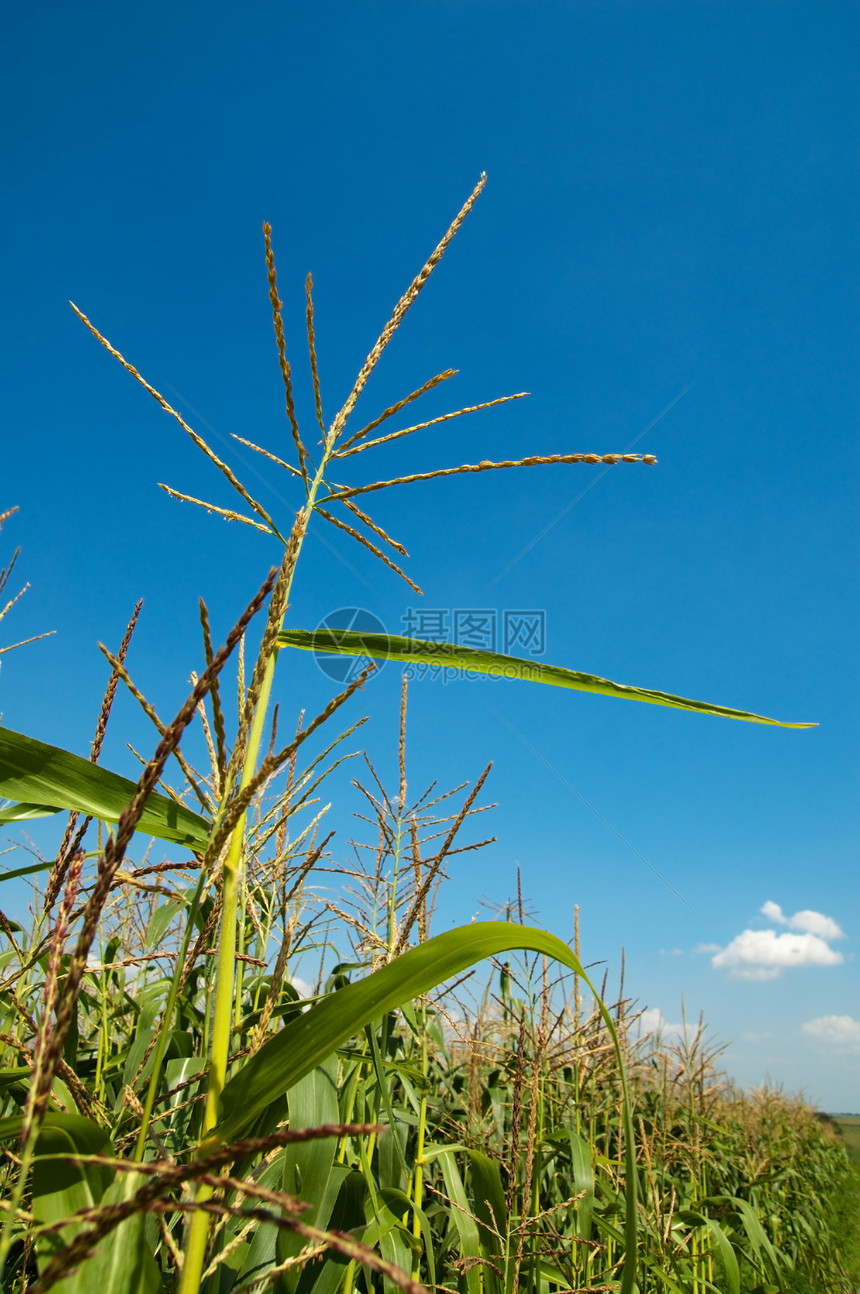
<point x="309" y="1038"/>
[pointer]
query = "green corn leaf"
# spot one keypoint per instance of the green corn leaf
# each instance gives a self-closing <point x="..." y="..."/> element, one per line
<point x="728" y="1256"/>
<point x="308" y="1166"/>
<point x="755" y="1231"/>
<point x="547" y="1272"/>
<point x="380" y="1217"/>
<point x="393" y="1128"/>
<point x="25" y="871"/>
<point x="122" y="1261"/>
<point x="488" y="1206"/>
<point x="160" y="920"/>
<point x="348" y="1215"/>
<point x="23" y="812"/>
<point x="693" y="1218"/>
<point x="583" y="1178"/>
<point x="464" y="1221"/>
<point x="404" y="1205"/>
<point x="345" y="642"/>
<point x="308" y="1039"/>
<point x="60" y="1188"/>
<point x="385" y="1215"/>
<point x="46" y="776"/>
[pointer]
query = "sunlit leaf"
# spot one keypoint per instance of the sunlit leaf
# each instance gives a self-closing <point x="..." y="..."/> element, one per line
<point x="22" y="812"/>
<point x="59" y="1187"/>
<point x="344" y="642"/>
<point x="309" y="1038"/>
<point x="583" y="1179"/>
<point x="45" y="776"/>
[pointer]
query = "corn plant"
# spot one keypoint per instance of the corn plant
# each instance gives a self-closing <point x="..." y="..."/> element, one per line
<point x="178" y="1118"/>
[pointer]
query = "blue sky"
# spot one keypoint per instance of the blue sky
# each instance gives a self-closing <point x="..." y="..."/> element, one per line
<point x="670" y="212"/>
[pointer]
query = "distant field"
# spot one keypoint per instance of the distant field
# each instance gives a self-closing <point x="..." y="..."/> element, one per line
<point x="849" y="1126"/>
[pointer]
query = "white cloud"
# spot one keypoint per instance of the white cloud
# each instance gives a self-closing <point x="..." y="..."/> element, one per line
<point x="840" y="1031"/>
<point x="813" y="923"/>
<point x="651" y="1021"/>
<point x="707" y="948"/>
<point x="764" y="954"/>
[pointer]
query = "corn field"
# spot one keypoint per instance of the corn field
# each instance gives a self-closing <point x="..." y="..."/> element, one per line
<point x="185" y="1109"/>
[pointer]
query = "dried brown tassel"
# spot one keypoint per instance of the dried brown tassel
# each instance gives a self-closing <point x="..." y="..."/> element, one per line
<point x="419" y="426"/>
<point x="272" y="763"/>
<point x="377" y="552"/>
<point x="395" y="408"/>
<point x="371" y="524"/>
<point x="294" y="471"/>
<point x="312" y="350"/>
<point x="168" y="408"/>
<point x="227" y="513"/>
<point x="282" y="350"/>
<point x="215" y="694"/>
<point x="536" y="460"/>
<point x="400" y="310"/>
<point x="436" y="863"/>
<point x="68" y="847"/>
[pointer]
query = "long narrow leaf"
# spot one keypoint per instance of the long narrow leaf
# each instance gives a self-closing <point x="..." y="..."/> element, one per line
<point x="22" y="812"/>
<point x="58" y="1187"/>
<point x="25" y="871"/>
<point x="723" y="1245"/>
<point x="464" y="1221"/>
<point x="345" y="642"/>
<point x="46" y="776"/>
<point x="307" y="1166"/>
<point x="727" y="1254"/>
<point x="488" y="1202"/>
<point x="583" y="1180"/>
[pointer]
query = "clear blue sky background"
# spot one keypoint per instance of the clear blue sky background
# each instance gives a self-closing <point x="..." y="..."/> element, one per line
<point x="672" y="199"/>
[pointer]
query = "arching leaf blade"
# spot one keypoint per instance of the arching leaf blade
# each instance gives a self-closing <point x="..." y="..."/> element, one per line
<point x="345" y="642"/>
<point x="24" y="812"/>
<point x="41" y="775"/>
<point x="307" y="1039"/>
